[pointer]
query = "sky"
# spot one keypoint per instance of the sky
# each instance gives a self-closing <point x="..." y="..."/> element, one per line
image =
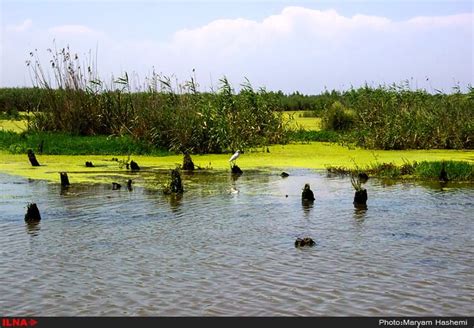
<point x="304" y="46"/>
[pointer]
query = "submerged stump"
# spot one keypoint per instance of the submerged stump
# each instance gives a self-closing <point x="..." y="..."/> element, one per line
<point x="32" y="213"/>
<point x="188" y="164"/>
<point x="89" y="164"/>
<point x="284" y="175"/>
<point x="64" y="179"/>
<point x="360" y="199"/>
<point x="134" y="166"/>
<point x="32" y="158"/>
<point x="235" y="169"/>
<point x="307" y="195"/>
<point x="306" y="241"/>
<point x="443" y="175"/>
<point x="363" y="177"/>
<point x="176" y="185"/>
<point x="129" y="185"/>
<point x="116" y="186"/>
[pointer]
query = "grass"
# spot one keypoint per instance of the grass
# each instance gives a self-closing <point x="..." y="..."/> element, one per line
<point x="65" y="144"/>
<point x="424" y="170"/>
<point x="299" y="120"/>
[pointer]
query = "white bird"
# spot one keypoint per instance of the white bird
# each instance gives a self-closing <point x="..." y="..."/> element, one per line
<point x="235" y="156"/>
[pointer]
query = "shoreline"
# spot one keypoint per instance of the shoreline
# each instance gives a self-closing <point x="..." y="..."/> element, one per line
<point x="314" y="155"/>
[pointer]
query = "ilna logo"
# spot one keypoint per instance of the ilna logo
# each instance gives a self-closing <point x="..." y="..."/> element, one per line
<point x="18" y="322"/>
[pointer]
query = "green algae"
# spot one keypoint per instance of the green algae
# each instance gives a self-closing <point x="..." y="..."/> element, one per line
<point x="296" y="120"/>
<point x="13" y="125"/>
<point x="315" y="155"/>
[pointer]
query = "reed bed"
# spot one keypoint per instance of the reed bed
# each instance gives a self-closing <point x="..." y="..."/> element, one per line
<point x="69" y="97"/>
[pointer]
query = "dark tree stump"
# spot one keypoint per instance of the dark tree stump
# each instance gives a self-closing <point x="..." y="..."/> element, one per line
<point x="32" y="213"/>
<point x="134" y="166"/>
<point x="363" y="177"/>
<point x="40" y="147"/>
<point x="89" y="164"/>
<point x="32" y="158"/>
<point x="176" y="185"/>
<point x="306" y="241"/>
<point x="284" y="175"/>
<point x="443" y="175"/>
<point x="360" y="198"/>
<point x="116" y="186"/>
<point x="64" y="179"/>
<point x="129" y="185"/>
<point x="236" y="170"/>
<point x="188" y="164"/>
<point x="307" y="194"/>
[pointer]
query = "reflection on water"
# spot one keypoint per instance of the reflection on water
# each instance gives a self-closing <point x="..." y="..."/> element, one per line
<point x="226" y="247"/>
<point x="359" y="212"/>
<point x="33" y="228"/>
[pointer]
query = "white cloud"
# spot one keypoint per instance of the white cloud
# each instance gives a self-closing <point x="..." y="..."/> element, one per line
<point x="21" y="27"/>
<point x="296" y="49"/>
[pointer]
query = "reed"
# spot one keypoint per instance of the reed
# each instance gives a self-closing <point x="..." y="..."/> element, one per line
<point x="167" y="115"/>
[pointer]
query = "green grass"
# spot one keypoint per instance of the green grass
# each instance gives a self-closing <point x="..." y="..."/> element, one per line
<point x="425" y="170"/>
<point x="302" y="120"/>
<point x="303" y="135"/>
<point x="65" y="144"/>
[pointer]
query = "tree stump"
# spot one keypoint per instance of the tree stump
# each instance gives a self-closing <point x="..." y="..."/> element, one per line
<point x="89" y="164"/>
<point x="363" y="177"/>
<point x="134" y="166"/>
<point x="116" y="186"/>
<point x="32" y="213"/>
<point x="64" y="179"/>
<point x="188" y="164"/>
<point x="176" y="185"/>
<point x="32" y="158"/>
<point x="129" y="185"/>
<point x="443" y="175"/>
<point x="306" y="241"/>
<point x="307" y="194"/>
<point x="235" y="169"/>
<point x="360" y="198"/>
<point x="284" y="175"/>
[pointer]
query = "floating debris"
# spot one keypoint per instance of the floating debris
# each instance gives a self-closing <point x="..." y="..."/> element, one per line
<point x="284" y="175"/>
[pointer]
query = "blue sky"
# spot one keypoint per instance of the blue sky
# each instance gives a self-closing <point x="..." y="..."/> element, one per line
<point x="304" y="46"/>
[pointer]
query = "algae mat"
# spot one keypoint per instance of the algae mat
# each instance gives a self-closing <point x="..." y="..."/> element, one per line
<point x="316" y="155"/>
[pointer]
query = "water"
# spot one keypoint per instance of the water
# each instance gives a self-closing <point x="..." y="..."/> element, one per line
<point x="226" y="248"/>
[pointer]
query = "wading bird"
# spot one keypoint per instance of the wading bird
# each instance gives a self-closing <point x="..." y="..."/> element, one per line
<point x="235" y="156"/>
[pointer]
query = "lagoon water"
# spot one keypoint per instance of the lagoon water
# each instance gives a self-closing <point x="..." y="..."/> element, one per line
<point x="226" y="248"/>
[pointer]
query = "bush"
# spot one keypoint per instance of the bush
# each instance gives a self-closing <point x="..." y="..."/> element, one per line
<point x="338" y="118"/>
